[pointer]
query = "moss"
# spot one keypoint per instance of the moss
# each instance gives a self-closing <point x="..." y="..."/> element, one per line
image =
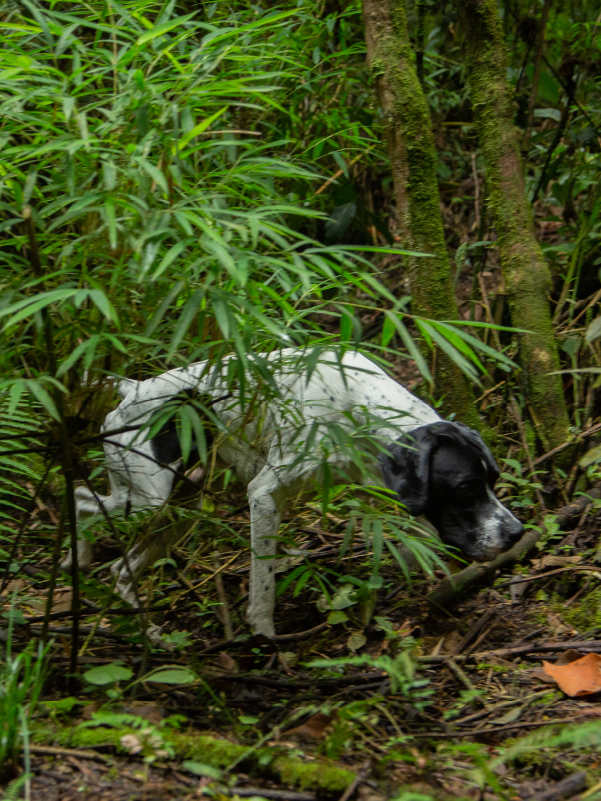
<point x="526" y="274"/>
<point x="292" y="770"/>
<point x="586" y="613"/>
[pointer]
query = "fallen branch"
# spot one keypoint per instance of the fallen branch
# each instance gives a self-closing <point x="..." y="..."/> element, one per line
<point x="292" y="770"/>
<point x="566" y="788"/>
<point x="450" y="589"/>
<point x="284" y="794"/>
<point x="52" y="750"/>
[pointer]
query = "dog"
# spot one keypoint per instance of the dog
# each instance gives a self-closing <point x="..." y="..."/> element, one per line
<point x="439" y="469"/>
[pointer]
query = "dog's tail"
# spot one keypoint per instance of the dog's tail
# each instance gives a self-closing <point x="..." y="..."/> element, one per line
<point x="125" y="386"/>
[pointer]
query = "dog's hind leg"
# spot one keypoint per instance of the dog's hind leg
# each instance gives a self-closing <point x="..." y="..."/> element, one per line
<point x="87" y="504"/>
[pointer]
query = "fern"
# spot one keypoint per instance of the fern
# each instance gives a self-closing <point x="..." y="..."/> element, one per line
<point x="584" y="735"/>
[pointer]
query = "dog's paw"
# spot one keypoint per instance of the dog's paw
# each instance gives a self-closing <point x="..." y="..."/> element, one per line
<point x="261" y="625"/>
<point x="85" y="553"/>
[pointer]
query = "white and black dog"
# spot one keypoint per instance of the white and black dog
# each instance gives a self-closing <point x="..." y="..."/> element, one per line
<point x="440" y="469"/>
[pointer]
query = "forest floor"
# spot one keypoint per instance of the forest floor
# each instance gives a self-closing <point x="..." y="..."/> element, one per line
<point x="257" y="721"/>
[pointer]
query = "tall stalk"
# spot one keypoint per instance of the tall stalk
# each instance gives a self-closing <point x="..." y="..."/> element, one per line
<point x="413" y="158"/>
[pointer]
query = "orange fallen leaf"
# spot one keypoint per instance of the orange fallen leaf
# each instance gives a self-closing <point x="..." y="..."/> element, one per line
<point x="581" y="677"/>
<point x="314" y="727"/>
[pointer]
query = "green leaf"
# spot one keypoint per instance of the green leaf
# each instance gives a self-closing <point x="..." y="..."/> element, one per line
<point x="197" y="130"/>
<point x="388" y="331"/>
<point x="173" y="675"/>
<point x="171" y="256"/>
<point x="103" y="304"/>
<point x="410" y="345"/>
<point x="590" y="457"/>
<point x="157" y="175"/>
<point x="336" y="617"/>
<point x="189" y="311"/>
<point x="356" y="641"/>
<point x="25" y="308"/>
<point x="42" y="396"/>
<point x="160" y="30"/>
<point x="200" y="769"/>
<point x="106" y="674"/>
<point x="446" y="346"/>
<point x="109" y="210"/>
<point x="593" y="331"/>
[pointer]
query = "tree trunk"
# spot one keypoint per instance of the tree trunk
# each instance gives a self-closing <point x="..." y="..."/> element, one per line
<point x="525" y="272"/>
<point x="413" y="159"/>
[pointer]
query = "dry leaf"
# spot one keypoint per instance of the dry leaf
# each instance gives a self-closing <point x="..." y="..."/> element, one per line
<point x="581" y="677"/>
<point x="147" y="710"/>
<point x="225" y="661"/>
<point x="14" y="586"/>
<point x="539" y="673"/>
<point x="571" y="655"/>
<point x="511" y="716"/>
<point x="314" y="727"/>
<point x="592" y="711"/>
<point x="61" y="601"/>
<point x="555" y="561"/>
<point x="557" y="624"/>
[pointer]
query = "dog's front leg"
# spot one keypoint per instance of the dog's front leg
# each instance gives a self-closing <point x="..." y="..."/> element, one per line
<point x="265" y="516"/>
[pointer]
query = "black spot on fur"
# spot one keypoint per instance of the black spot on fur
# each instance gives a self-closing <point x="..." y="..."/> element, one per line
<point x="166" y="447"/>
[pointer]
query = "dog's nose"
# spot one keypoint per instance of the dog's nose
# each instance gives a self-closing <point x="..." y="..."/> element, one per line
<point x="514" y="530"/>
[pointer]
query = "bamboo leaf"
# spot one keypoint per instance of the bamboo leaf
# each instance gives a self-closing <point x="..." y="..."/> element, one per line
<point x="161" y="30"/>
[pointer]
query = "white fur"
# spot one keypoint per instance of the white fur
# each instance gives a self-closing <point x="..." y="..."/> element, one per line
<point x="261" y="446"/>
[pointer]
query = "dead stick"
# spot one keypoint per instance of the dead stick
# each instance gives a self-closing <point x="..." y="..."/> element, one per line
<point x="589" y="431"/>
<point x="225" y="610"/>
<point x="52" y="750"/>
<point x="360" y="777"/>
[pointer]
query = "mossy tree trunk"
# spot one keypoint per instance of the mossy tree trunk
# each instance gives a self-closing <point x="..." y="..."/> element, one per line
<point x="526" y="275"/>
<point x="413" y="159"/>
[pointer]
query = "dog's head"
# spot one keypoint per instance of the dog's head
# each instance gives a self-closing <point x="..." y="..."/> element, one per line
<point x="445" y="471"/>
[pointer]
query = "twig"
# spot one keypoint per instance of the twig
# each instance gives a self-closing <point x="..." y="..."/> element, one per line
<point x="474" y="631"/>
<point x="52" y="750"/>
<point x="195" y="586"/>
<point x="565" y="788"/>
<point x="583" y="435"/>
<point x="439" y="735"/>
<point x="549" y="647"/>
<point x="265" y="681"/>
<point x="338" y="173"/>
<point x="549" y="573"/>
<point x="502" y="705"/>
<point x="459" y="673"/>
<point x="225" y="612"/>
<point x="279" y="638"/>
<point x="284" y="795"/>
<point x="360" y="777"/>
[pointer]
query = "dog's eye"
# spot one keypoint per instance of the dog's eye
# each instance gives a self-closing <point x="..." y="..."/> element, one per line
<point x="464" y="490"/>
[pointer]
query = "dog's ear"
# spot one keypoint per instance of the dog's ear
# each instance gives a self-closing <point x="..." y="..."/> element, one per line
<point x="476" y="442"/>
<point x="406" y="468"/>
